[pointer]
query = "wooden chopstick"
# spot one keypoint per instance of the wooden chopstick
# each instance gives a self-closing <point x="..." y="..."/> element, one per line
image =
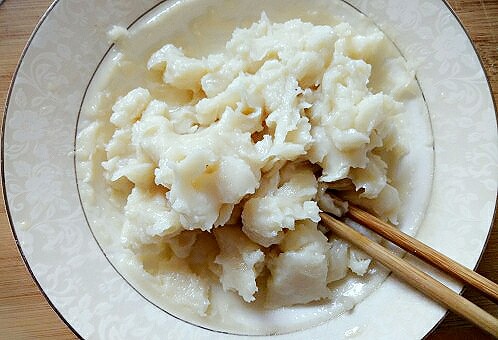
<point x="413" y="276"/>
<point x="423" y="252"/>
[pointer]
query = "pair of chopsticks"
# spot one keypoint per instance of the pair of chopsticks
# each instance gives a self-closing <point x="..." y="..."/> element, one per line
<point x="412" y="275"/>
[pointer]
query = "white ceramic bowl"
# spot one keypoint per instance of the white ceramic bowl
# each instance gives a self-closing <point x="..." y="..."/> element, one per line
<point x="68" y="264"/>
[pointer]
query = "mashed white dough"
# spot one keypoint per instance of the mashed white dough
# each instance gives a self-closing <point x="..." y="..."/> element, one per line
<point x="216" y="167"/>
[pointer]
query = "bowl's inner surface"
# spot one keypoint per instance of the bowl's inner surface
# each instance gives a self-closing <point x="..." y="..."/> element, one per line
<point x="200" y="28"/>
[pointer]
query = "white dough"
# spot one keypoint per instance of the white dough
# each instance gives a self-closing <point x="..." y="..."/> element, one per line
<point x="216" y="166"/>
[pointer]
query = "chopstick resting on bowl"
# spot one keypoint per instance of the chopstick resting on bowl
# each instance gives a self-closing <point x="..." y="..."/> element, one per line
<point x="412" y="275"/>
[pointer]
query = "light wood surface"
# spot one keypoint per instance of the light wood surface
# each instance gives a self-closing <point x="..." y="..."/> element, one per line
<point x="24" y="312"/>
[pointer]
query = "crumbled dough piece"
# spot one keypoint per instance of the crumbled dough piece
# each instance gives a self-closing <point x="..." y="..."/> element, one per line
<point x="264" y="218"/>
<point x="338" y="260"/>
<point x="241" y="261"/>
<point x="148" y="218"/>
<point x="299" y="273"/>
<point x="184" y="287"/>
<point x="358" y="261"/>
